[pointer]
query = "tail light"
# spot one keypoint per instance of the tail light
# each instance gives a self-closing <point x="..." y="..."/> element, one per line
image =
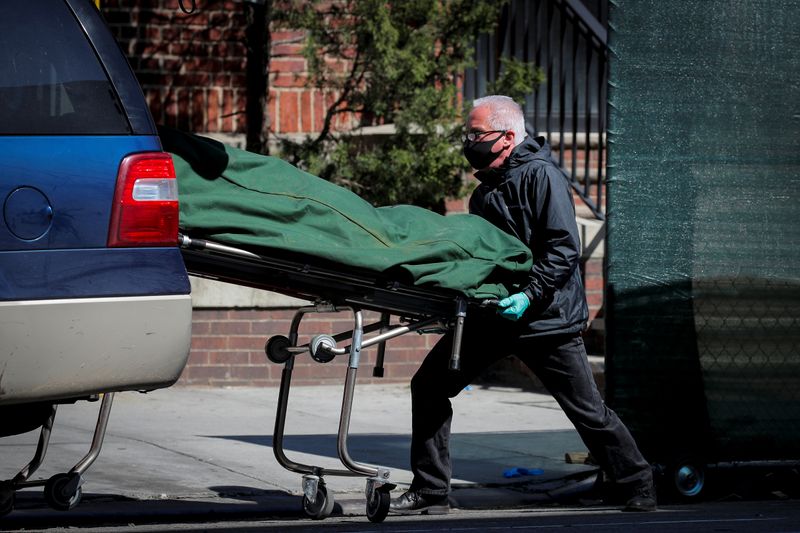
<point x="145" y="210"/>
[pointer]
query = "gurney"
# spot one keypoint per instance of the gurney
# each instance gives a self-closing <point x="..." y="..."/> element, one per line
<point x="257" y="221"/>
<point x="419" y="310"/>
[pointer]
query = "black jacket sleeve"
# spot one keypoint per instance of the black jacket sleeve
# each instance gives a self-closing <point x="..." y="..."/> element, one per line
<point x="552" y="232"/>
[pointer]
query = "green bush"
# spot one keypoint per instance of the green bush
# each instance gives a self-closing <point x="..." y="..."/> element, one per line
<point x="404" y="60"/>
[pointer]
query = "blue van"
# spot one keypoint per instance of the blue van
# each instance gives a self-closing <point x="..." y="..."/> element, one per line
<point x="94" y="295"/>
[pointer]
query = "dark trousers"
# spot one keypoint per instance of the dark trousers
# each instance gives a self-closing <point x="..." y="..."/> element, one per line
<point x="558" y="361"/>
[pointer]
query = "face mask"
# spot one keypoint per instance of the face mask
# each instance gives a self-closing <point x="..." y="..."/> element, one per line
<point x="479" y="153"/>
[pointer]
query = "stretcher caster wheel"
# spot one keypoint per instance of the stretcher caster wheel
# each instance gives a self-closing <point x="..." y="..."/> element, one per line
<point x="688" y="478"/>
<point x="322" y="506"/>
<point x="378" y="505"/>
<point x="63" y="491"/>
<point x="318" y="350"/>
<point x="276" y="349"/>
<point x="6" y="498"/>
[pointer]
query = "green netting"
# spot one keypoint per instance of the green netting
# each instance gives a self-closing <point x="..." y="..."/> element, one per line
<point x="703" y="227"/>
<point x="241" y="198"/>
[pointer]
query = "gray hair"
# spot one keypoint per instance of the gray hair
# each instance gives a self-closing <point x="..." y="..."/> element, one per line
<point x="504" y="114"/>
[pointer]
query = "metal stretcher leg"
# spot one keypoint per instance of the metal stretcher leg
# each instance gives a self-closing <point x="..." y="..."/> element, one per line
<point x="41" y="450"/>
<point x="378" y="485"/>
<point x="377" y="371"/>
<point x="316" y="501"/>
<point x="62" y="491"/>
<point x="461" y="314"/>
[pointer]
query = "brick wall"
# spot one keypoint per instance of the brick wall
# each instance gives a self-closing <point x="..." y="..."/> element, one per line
<point x="192" y="70"/>
<point x="228" y="349"/>
<point x="192" y="67"/>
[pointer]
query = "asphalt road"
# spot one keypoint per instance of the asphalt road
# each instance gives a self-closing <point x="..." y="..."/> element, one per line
<point x="732" y="517"/>
<point x="200" y="459"/>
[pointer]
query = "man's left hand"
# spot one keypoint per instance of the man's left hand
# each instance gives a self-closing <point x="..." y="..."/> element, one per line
<point x="514" y="306"/>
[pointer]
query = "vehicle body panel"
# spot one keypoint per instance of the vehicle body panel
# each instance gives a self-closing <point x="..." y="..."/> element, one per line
<point x="56" y="349"/>
<point x="77" y="317"/>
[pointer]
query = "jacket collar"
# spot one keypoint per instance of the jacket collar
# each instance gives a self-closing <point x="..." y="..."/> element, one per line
<point x="528" y="150"/>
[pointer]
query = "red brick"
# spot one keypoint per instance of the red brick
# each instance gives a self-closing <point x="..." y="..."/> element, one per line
<point x="248" y="372"/>
<point x="456" y="205"/>
<point x="287" y="35"/>
<point x="306" y="113"/>
<point x="197" y="358"/>
<point x="271" y="327"/>
<point x="262" y="314"/>
<point x="210" y="314"/>
<point x="198" y="112"/>
<point x="594" y="283"/>
<point x="594" y="266"/>
<point x="319" y="110"/>
<point x="287" y="80"/>
<point x="285" y="49"/>
<point x="240" y="102"/>
<point x="209" y="343"/>
<point x="212" y="124"/>
<point x="205" y="373"/>
<point x="229" y="358"/>
<point x="155" y="33"/>
<point x="288" y="120"/>
<point x="237" y="64"/>
<point x="238" y="327"/>
<point x="245" y="343"/>
<point x="287" y="65"/>
<point x="156" y="106"/>
<point x="201" y="328"/>
<point x="227" y="110"/>
<point x="594" y="299"/>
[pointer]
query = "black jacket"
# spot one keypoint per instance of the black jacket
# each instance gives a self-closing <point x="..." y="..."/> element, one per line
<point x="529" y="198"/>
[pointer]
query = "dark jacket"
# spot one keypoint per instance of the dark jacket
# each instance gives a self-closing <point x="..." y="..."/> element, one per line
<point x="530" y="198"/>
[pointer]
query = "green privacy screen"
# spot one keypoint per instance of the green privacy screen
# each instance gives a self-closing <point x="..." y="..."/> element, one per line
<point x="703" y="307"/>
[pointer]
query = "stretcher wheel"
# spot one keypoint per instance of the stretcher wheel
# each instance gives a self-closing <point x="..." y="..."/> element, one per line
<point x="63" y="491"/>
<point x="276" y="349"/>
<point x="378" y="505"/>
<point x="322" y="507"/>
<point x="688" y="478"/>
<point x="6" y="497"/>
<point x="317" y="348"/>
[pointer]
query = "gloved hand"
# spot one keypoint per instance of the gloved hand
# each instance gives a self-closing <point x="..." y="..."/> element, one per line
<point x="514" y="306"/>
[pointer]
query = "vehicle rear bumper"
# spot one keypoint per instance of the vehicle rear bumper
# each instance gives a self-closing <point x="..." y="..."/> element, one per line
<point x="59" y="349"/>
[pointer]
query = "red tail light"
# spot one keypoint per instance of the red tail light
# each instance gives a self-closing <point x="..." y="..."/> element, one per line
<point x="145" y="211"/>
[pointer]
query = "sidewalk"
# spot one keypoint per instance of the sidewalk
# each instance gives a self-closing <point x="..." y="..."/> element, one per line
<point x="202" y="451"/>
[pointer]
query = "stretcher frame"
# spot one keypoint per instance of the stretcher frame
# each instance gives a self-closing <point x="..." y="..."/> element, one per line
<point x="420" y="310"/>
<point x="62" y="491"/>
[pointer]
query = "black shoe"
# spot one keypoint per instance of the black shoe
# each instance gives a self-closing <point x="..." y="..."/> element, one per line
<point x="643" y="500"/>
<point x="413" y="502"/>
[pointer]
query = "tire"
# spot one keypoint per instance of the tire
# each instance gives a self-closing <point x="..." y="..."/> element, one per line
<point x="317" y="345"/>
<point x="378" y="506"/>
<point x="6" y="497"/>
<point x="322" y="507"/>
<point x="276" y="349"/>
<point x="58" y="493"/>
<point x="687" y="478"/>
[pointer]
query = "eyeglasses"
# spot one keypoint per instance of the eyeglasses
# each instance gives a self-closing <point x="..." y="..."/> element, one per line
<point x="473" y="136"/>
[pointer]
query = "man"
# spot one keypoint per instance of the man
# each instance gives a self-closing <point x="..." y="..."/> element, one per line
<point x="522" y="193"/>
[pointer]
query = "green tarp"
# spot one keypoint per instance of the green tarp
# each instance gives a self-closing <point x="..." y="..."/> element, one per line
<point x="703" y="248"/>
<point x="260" y="202"/>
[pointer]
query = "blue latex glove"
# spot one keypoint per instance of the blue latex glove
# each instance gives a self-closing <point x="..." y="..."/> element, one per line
<point x="514" y="306"/>
<point x="518" y="471"/>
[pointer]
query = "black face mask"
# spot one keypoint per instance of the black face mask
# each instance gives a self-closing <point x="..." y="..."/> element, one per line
<point x="479" y="153"/>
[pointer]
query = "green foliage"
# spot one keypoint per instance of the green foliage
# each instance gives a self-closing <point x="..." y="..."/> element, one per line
<point x="517" y="79"/>
<point x="403" y="60"/>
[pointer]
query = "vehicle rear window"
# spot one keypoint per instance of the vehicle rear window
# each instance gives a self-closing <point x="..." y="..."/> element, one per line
<point x="51" y="81"/>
